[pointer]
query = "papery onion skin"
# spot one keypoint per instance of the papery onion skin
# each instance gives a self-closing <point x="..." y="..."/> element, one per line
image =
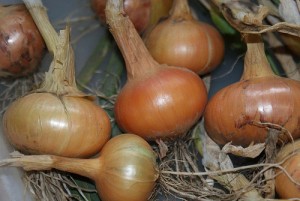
<point x="181" y="40"/>
<point x="230" y="114"/>
<point x="137" y="10"/>
<point x="129" y="170"/>
<point x="21" y="44"/>
<point x="165" y="105"/>
<point x="42" y="123"/>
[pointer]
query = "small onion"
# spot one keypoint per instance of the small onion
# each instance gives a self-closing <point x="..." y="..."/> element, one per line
<point x="157" y="101"/>
<point x="182" y="40"/>
<point x="234" y="112"/>
<point x="21" y="44"/>
<point x="56" y="118"/>
<point x="286" y="187"/>
<point x="137" y="10"/>
<point x="126" y="169"/>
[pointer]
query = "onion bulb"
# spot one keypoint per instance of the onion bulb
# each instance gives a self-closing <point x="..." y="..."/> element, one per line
<point x="157" y="101"/>
<point x="182" y="40"/>
<point x="21" y="44"/>
<point x="125" y="170"/>
<point x="137" y="10"/>
<point x="287" y="184"/>
<point x="56" y="118"/>
<point x="238" y="112"/>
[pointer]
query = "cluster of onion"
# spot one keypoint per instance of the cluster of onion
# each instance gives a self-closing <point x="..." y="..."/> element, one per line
<point x="21" y="44"/>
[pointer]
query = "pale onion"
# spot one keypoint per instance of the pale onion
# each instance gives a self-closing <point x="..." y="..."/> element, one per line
<point x="126" y="169"/>
<point x="21" y="44"/>
<point x="56" y="118"/>
<point x="287" y="184"/>
<point x="182" y="40"/>
<point x="237" y="112"/>
<point x="157" y="101"/>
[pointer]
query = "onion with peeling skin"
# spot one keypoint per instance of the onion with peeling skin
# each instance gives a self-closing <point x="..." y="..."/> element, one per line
<point x="182" y="40"/>
<point x="157" y="101"/>
<point x="237" y="112"/>
<point x="21" y="44"/>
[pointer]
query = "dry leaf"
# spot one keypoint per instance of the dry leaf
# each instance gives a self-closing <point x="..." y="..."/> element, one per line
<point x="288" y="10"/>
<point x="252" y="151"/>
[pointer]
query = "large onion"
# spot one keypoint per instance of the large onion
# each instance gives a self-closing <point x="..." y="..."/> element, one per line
<point x="126" y="169"/>
<point x="238" y="112"/>
<point x="56" y="118"/>
<point x="182" y="40"/>
<point x="21" y="45"/>
<point x="157" y="101"/>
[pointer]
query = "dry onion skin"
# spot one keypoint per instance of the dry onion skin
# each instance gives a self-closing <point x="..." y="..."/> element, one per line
<point x="59" y="119"/>
<point x="182" y="40"/>
<point x="157" y="101"/>
<point x="235" y="112"/>
<point x="125" y="170"/>
<point x="21" y="44"/>
<point x="287" y="183"/>
<point x="137" y="10"/>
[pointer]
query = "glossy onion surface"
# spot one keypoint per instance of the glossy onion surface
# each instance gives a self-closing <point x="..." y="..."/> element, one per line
<point x="269" y="99"/>
<point x="162" y="105"/>
<point x="186" y="42"/>
<point x="137" y="10"/>
<point x="42" y="123"/>
<point x="21" y="44"/>
<point x="128" y="169"/>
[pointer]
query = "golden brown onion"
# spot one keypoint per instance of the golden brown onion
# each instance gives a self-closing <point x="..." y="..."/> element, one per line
<point x="234" y="112"/>
<point x="286" y="182"/>
<point x="182" y="40"/>
<point x="125" y="170"/>
<point x="137" y="10"/>
<point x="157" y="101"/>
<point x="56" y="118"/>
<point x="42" y="123"/>
<point x="21" y="44"/>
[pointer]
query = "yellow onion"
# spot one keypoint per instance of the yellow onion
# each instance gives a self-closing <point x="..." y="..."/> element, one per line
<point x="21" y="44"/>
<point x="238" y="112"/>
<point x="182" y="40"/>
<point x="287" y="183"/>
<point x="137" y="10"/>
<point x="125" y="170"/>
<point x="56" y="118"/>
<point x="157" y="101"/>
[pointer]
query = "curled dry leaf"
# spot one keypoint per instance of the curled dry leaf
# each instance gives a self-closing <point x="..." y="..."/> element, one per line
<point x="252" y="151"/>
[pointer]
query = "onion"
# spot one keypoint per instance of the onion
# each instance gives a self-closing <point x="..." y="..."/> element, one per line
<point x="56" y="118"/>
<point x="125" y="170"/>
<point x="182" y="40"/>
<point x="21" y="44"/>
<point x="157" y="101"/>
<point x="235" y="112"/>
<point x="137" y="10"/>
<point x="287" y="187"/>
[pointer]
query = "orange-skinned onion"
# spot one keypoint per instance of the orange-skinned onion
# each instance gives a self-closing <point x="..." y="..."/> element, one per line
<point x="182" y="40"/>
<point x="21" y="44"/>
<point x="56" y="118"/>
<point x="237" y="112"/>
<point x="286" y="187"/>
<point x="157" y="101"/>
<point x="66" y="126"/>
<point x="137" y="10"/>
<point x="126" y="169"/>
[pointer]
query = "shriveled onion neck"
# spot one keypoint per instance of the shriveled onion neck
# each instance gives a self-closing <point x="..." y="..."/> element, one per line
<point x="60" y="78"/>
<point x="180" y="9"/>
<point x="137" y="58"/>
<point x="256" y="63"/>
